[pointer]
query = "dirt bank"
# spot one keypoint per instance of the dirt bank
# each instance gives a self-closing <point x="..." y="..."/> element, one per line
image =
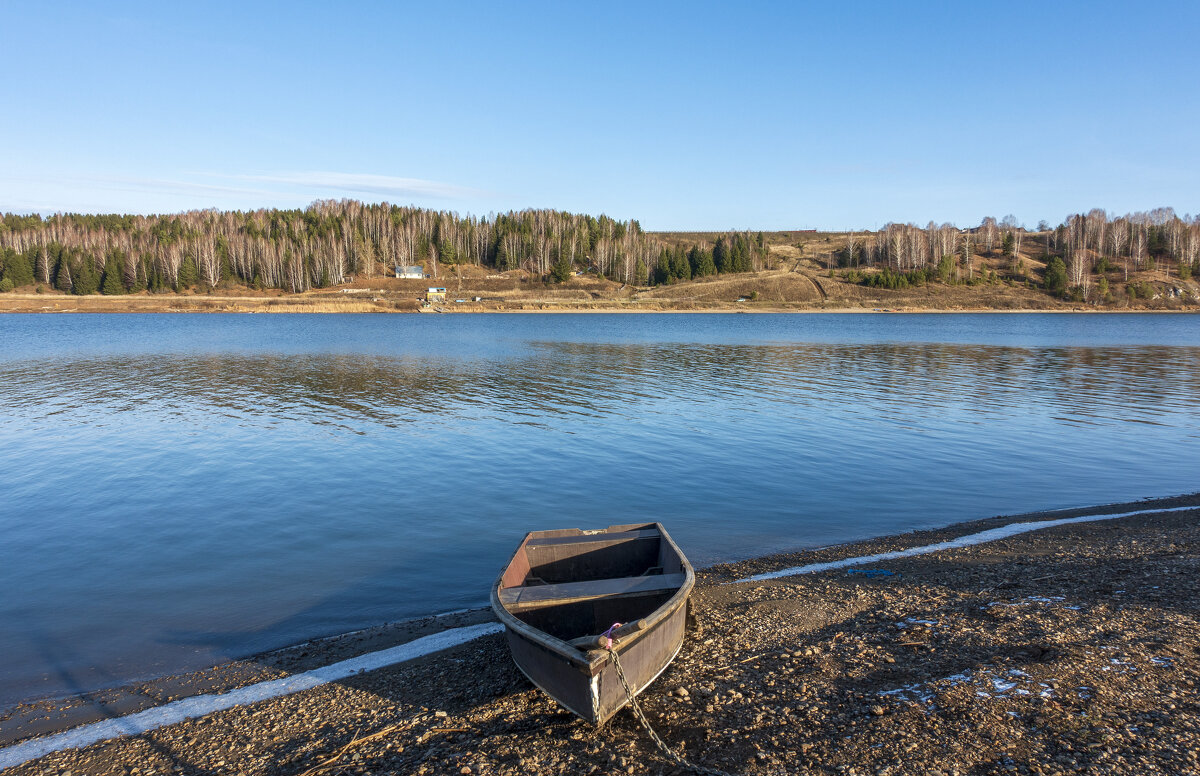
<point x="1069" y="649"/>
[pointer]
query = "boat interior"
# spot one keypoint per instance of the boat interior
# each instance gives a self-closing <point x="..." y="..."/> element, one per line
<point x="570" y="584"/>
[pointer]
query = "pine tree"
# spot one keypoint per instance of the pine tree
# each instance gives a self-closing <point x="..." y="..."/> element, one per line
<point x="111" y="283"/>
<point x="680" y="267"/>
<point x="118" y="275"/>
<point x="18" y="268"/>
<point x="87" y="281"/>
<point x="662" y="270"/>
<point x="63" y="279"/>
<point x="188" y="274"/>
<point x="720" y="256"/>
<point x="1055" y="280"/>
<point x="560" y="271"/>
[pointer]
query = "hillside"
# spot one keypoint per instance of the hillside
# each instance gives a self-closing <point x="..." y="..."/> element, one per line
<point x="796" y="276"/>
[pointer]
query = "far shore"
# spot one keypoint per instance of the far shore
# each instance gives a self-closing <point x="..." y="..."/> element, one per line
<point x="1070" y="648"/>
<point x="793" y="286"/>
<point x="326" y="303"/>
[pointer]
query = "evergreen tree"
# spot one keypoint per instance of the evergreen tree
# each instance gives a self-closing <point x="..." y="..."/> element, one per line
<point x="1055" y="280"/>
<point x="945" y="269"/>
<point x="188" y="274"/>
<point x="64" y="280"/>
<point x="640" y="273"/>
<point x="704" y="264"/>
<point x="18" y="268"/>
<point x="681" y="268"/>
<point x="739" y="255"/>
<point x="506" y="259"/>
<point x="720" y="256"/>
<point x="560" y="271"/>
<point x="662" y="270"/>
<point x="144" y="267"/>
<point x="111" y="283"/>
<point x="87" y="280"/>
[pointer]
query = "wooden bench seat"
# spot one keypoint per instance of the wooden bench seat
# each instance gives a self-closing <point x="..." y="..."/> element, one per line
<point x="534" y="596"/>
<point x="594" y="538"/>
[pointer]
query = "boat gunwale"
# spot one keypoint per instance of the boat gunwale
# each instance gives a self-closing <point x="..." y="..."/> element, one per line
<point x="592" y="661"/>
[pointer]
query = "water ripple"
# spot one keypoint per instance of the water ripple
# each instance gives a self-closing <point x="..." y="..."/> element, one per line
<point x="187" y="489"/>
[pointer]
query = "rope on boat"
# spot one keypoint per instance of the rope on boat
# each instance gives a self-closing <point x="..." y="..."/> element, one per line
<point x="678" y="759"/>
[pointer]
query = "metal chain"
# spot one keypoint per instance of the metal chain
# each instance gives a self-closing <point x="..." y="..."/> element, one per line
<point x="678" y="759"/>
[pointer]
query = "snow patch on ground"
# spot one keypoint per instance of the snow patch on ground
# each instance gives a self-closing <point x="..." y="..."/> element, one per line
<point x="991" y="535"/>
<point x="200" y="705"/>
<point x="986" y="681"/>
<point x="1033" y="599"/>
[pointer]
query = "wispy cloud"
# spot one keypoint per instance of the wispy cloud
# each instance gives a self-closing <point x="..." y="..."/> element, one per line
<point x="363" y="183"/>
<point x="110" y="193"/>
<point x="181" y="187"/>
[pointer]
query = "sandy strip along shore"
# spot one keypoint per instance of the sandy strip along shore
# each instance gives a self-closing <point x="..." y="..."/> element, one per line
<point x="1069" y="648"/>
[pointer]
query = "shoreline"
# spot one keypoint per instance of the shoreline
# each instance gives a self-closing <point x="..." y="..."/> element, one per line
<point x="720" y="602"/>
<point x="321" y="304"/>
<point x="137" y="695"/>
<point x="632" y="311"/>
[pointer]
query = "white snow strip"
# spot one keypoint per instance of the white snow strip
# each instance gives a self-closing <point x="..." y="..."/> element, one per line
<point x="991" y="535"/>
<point x="200" y="705"/>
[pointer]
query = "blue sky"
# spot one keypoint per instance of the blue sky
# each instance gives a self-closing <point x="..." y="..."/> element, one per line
<point x="684" y="116"/>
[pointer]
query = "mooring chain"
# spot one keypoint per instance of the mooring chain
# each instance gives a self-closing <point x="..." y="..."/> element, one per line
<point x="678" y="759"/>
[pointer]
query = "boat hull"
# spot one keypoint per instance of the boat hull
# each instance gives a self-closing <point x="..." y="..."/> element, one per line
<point x="596" y="697"/>
<point x="583" y="679"/>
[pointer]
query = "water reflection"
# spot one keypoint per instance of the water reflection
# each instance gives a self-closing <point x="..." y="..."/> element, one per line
<point x="352" y="392"/>
<point x="167" y="506"/>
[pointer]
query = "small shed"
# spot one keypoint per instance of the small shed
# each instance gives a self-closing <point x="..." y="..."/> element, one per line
<point x="414" y="272"/>
<point x="434" y="295"/>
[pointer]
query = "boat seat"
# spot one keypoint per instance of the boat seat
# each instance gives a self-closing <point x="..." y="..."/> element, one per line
<point x="516" y="599"/>
<point x="600" y="537"/>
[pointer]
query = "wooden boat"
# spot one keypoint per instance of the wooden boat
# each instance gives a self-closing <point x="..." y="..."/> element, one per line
<point x="563" y="590"/>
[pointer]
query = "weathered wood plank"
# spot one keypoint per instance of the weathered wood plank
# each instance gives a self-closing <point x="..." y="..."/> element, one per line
<point x="592" y="538"/>
<point x="518" y="598"/>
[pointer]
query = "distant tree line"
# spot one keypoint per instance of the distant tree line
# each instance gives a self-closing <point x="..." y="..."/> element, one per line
<point x="1084" y="244"/>
<point x="1158" y="239"/>
<point x="734" y="252"/>
<point x="320" y="246"/>
<point x="323" y="244"/>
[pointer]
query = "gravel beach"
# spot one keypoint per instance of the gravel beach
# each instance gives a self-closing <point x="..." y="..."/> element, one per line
<point x="1071" y="649"/>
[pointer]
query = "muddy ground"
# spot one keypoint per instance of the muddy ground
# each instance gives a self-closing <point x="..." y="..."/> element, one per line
<point x="1073" y="649"/>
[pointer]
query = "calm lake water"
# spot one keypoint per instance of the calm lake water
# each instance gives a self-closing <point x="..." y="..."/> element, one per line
<point x="176" y="490"/>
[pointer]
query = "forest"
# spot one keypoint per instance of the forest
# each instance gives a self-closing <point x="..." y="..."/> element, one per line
<point x="1080" y="250"/>
<point x="330" y="241"/>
